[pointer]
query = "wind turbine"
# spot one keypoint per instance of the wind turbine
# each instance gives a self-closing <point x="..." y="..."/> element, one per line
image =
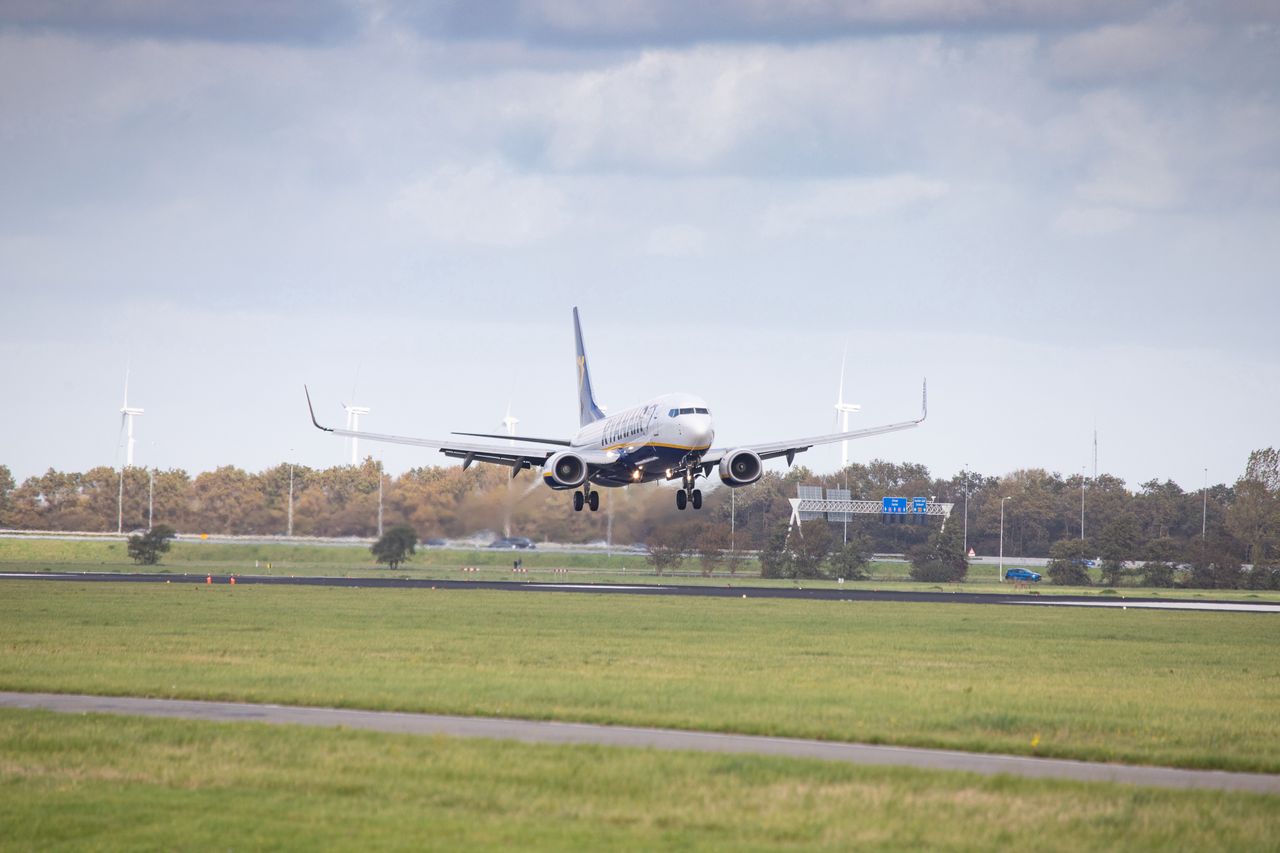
<point x="843" y="410"/>
<point x="353" y="424"/>
<point x="127" y="414"/>
<point x="509" y="424"/>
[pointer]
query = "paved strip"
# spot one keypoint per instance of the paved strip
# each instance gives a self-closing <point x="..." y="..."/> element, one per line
<point x="1221" y="606"/>
<point x="847" y="593"/>
<point x="665" y="739"/>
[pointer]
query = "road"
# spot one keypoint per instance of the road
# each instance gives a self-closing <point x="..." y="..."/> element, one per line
<point x="849" y="593"/>
<point x="665" y="739"/>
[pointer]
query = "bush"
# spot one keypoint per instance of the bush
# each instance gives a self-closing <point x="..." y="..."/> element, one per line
<point x="1067" y="563"/>
<point x="667" y="547"/>
<point x="145" y="549"/>
<point x="850" y="560"/>
<point x="1214" y="566"/>
<point x="942" y="559"/>
<point x="395" y="546"/>
<point x="809" y="549"/>
<point x="1262" y="577"/>
<point x="775" y="561"/>
<point x="1156" y="573"/>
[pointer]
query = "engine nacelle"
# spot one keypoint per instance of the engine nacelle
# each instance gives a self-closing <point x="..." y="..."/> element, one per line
<point x="565" y="470"/>
<point x="740" y="468"/>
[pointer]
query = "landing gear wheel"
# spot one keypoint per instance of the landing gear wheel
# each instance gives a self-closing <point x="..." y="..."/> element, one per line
<point x="681" y="498"/>
<point x="594" y="501"/>
<point x="696" y="498"/>
<point x="578" y="501"/>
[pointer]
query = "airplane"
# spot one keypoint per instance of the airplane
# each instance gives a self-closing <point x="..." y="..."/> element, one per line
<point x="665" y="438"/>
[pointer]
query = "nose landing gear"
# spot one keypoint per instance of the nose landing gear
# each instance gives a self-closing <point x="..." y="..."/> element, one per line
<point x="688" y="494"/>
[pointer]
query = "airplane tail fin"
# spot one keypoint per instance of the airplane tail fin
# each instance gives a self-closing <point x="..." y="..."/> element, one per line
<point x="588" y="411"/>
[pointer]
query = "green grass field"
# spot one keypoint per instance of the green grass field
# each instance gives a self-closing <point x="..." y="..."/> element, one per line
<point x="1186" y="689"/>
<point x="110" y="783"/>
<point x="50" y="555"/>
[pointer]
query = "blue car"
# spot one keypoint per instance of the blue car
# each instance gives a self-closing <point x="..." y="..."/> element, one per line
<point x="1022" y="575"/>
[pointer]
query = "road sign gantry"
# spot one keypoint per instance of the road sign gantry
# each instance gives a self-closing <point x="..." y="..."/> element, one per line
<point x="811" y="506"/>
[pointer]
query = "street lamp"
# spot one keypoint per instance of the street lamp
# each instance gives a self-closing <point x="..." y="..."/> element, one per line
<point x="1204" y="505"/>
<point x="1001" y="569"/>
<point x="1082" y="479"/>
<point x="289" y="524"/>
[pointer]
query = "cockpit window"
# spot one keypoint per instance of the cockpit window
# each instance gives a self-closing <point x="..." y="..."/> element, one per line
<point x="702" y="411"/>
<point x="686" y="411"/>
<point x="673" y="413"/>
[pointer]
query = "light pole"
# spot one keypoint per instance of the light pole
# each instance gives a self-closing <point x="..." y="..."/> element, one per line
<point x="151" y="497"/>
<point x="733" y="521"/>
<point x="288" y="531"/>
<point x="966" y="510"/>
<point x="379" y="498"/>
<point x="1204" y="505"/>
<point x="1082" y="479"/>
<point x="1001" y="569"/>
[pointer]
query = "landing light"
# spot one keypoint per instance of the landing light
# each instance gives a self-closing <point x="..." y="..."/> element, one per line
<point x="635" y="475"/>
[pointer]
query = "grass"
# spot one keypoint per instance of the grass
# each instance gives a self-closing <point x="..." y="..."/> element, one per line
<point x="130" y="782"/>
<point x="1183" y="689"/>
<point x="48" y="555"/>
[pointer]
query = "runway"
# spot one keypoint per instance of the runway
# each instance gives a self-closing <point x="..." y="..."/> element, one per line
<point x="851" y="592"/>
<point x="664" y="739"/>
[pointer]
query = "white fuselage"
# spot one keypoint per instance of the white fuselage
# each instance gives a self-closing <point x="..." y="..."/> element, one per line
<point x="645" y="441"/>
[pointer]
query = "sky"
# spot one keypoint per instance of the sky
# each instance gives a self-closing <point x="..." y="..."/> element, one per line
<point x="1065" y="215"/>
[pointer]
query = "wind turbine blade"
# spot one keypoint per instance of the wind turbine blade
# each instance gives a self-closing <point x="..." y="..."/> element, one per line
<point x="840" y="390"/>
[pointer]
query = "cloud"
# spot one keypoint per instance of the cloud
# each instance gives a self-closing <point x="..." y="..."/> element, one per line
<point x="1126" y="50"/>
<point x="1082" y="221"/>
<point x="829" y="206"/>
<point x="676" y="241"/>
<point x="484" y="205"/>
<point x="588" y="23"/>
<point x="283" y="21"/>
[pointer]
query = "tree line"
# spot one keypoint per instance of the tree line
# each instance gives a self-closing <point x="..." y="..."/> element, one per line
<point x="1155" y="520"/>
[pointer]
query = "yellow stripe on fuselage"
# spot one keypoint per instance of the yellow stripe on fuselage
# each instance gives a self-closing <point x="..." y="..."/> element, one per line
<point x="655" y="444"/>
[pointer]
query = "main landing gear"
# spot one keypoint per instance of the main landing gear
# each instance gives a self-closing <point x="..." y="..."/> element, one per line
<point x="586" y="498"/>
<point x="690" y="496"/>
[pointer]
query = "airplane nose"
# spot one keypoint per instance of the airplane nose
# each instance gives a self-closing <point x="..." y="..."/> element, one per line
<point x="700" y="432"/>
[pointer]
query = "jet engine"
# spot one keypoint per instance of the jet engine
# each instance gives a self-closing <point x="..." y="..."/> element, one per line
<point x="565" y="470"/>
<point x="740" y="468"/>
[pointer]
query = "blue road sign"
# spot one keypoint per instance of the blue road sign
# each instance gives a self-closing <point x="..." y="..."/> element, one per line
<point x="919" y="505"/>
<point x="893" y="505"/>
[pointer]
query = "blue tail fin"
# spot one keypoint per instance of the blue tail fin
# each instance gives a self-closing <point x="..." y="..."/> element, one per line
<point x="588" y="411"/>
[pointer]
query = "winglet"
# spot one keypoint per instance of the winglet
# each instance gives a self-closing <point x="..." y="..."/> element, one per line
<point x="313" y="411"/>
<point x="924" y="401"/>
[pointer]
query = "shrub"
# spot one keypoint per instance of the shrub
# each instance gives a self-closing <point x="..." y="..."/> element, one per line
<point x="395" y="546"/>
<point x="146" y="548"/>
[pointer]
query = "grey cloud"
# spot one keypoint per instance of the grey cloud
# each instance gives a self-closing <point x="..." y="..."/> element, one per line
<point x="276" y="21"/>
<point x="674" y="22"/>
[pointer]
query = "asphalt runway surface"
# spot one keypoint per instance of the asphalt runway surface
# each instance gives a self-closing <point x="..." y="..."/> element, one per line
<point x="849" y="593"/>
<point x="665" y="739"/>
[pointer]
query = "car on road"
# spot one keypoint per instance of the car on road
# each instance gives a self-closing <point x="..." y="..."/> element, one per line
<point x="1022" y="575"/>
<point x="434" y="542"/>
<point x="513" y="542"/>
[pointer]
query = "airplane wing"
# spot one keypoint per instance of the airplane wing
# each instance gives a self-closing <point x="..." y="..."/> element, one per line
<point x="517" y="457"/>
<point x="790" y="447"/>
